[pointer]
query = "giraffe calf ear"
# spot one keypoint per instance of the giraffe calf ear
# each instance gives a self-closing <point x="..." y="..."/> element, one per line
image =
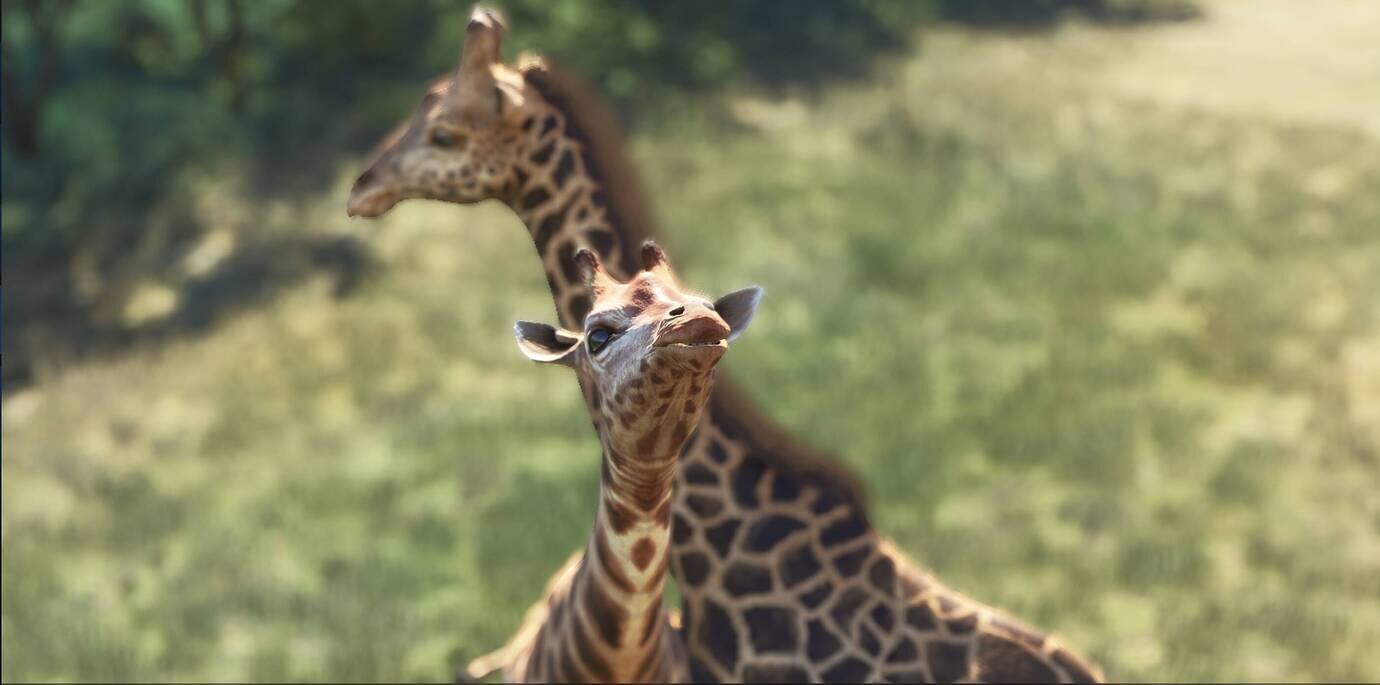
<point x="545" y="343"/>
<point x="737" y="308"/>
<point x="653" y="257"/>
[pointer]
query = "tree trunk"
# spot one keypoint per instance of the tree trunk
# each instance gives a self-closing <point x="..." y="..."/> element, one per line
<point x="233" y="64"/>
<point x="21" y="125"/>
<point x="23" y="114"/>
<point x="225" y="52"/>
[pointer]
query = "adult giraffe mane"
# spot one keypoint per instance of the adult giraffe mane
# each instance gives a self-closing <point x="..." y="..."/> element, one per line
<point x="591" y="121"/>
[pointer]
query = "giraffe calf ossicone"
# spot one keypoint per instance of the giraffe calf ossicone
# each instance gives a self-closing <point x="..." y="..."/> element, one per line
<point x="645" y="359"/>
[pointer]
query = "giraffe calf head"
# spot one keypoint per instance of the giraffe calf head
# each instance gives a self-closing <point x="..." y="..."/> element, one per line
<point x="647" y="351"/>
<point x="464" y="142"/>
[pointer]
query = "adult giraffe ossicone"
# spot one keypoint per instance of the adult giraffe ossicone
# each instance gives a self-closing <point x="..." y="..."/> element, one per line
<point x="646" y="354"/>
<point x="782" y="576"/>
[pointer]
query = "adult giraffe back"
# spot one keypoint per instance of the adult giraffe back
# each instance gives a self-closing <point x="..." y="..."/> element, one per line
<point x="783" y="577"/>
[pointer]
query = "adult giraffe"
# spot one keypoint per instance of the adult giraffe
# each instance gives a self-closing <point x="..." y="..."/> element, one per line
<point x="782" y="576"/>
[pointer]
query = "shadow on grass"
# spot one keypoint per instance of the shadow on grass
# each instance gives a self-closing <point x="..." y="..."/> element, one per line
<point x="47" y="324"/>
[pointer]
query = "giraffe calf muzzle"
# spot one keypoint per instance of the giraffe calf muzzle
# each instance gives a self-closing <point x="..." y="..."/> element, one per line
<point x="702" y="328"/>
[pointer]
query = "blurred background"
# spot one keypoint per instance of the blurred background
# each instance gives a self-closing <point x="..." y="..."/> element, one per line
<point x="1087" y="293"/>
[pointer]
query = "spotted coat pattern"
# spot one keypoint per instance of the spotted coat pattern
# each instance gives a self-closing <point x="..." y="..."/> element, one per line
<point x="782" y="576"/>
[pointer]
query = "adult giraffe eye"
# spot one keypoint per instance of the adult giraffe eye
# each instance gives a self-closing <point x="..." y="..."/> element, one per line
<point x="598" y="338"/>
<point x="442" y="138"/>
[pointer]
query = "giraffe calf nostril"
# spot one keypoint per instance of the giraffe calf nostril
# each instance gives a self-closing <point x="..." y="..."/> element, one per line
<point x="677" y="311"/>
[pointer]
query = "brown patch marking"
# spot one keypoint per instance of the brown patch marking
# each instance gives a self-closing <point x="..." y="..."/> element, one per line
<point x="662" y="515"/>
<point x="658" y="574"/>
<point x="608" y="616"/>
<point x="592" y="660"/>
<point x="642" y="552"/>
<point x="620" y="517"/>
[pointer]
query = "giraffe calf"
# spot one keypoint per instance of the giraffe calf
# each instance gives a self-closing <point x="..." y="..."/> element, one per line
<point x="645" y="359"/>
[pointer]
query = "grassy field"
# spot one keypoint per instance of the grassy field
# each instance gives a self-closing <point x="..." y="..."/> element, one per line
<point x="1108" y="360"/>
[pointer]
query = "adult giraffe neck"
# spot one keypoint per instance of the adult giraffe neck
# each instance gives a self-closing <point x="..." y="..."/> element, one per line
<point x="580" y="191"/>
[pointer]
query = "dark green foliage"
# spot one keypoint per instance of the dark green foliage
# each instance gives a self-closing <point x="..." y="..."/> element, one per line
<point x="1043" y="13"/>
<point x="119" y="105"/>
<point x="684" y="44"/>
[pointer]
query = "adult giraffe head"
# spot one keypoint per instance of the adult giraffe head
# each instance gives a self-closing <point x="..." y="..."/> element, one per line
<point x="465" y="139"/>
<point x="646" y="351"/>
<point x="532" y="136"/>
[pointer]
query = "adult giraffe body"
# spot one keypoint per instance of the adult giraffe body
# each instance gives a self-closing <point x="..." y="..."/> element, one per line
<point x="782" y="576"/>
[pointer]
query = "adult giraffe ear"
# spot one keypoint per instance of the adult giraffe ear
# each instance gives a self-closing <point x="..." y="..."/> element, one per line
<point x="546" y="344"/>
<point x="737" y="308"/>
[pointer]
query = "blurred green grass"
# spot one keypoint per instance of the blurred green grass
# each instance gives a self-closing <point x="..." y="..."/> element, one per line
<point x="1111" y="364"/>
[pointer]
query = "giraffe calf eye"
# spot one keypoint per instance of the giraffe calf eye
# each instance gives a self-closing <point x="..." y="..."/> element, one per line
<point x="442" y="138"/>
<point x="598" y="338"/>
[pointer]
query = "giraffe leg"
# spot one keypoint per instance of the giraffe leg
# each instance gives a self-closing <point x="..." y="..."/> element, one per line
<point x="481" y="666"/>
